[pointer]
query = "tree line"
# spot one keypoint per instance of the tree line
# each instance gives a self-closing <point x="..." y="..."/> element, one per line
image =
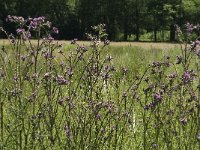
<point x="124" y="19"/>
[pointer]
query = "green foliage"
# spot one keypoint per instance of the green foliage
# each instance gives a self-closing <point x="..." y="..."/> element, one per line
<point x="124" y="18"/>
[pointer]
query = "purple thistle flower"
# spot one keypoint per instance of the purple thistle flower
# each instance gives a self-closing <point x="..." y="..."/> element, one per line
<point x="55" y="30"/>
<point x="61" y="80"/>
<point x="188" y="76"/>
<point x="193" y="96"/>
<point x="50" y="38"/>
<point x="20" y="31"/>
<point x="173" y="75"/>
<point x="15" y="78"/>
<point x="15" y="19"/>
<point x="106" y="42"/>
<point x="62" y="64"/>
<point x="33" y="25"/>
<point x="98" y="116"/>
<point x="11" y="38"/>
<point x="157" y="97"/>
<point x="26" y="35"/>
<point x="198" y="136"/>
<point x="183" y="121"/>
<point x="102" y="130"/>
<point x="156" y="64"/>
<point x="106" y="76"/>
<point x="189" y="28"/>
<point x="146" y="107"/>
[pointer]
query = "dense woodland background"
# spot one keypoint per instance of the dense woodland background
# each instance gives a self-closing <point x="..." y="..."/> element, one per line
<point x="134" y="20"/>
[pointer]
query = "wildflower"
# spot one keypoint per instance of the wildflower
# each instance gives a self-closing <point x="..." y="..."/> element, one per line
<point x="155" y="146"/>
<point x="83" y="48"/>
<point x="15" y="78"/>
<point x="15" y="19"/>
<point x="157" y="97"/>
<point x="124" y="71"/>
<point x="61" y="80"/>
<point x="188" y="76"/>
<point x="62" y="64"/>
<point x="20" y="31"/>
<point x="109" y="58"/>
<point x="34" y="76"/>
<point x="55" y="30"/>
<point x="61" y="102"/>
<point x="102" y="130"/>
<point x="98" y="116"/>
<point x="156" y="64"/>
<point x="67" y="131"/>
<point x="146" y="107"/>
<point x="198" y="136"/>
<point x="23" y="58"/>
<point x="26" y="35"/>
<point x="47" y="75"/>
<point x="124" y="95"/>
<point x="193" y="96"/>
<point x="74" y="41"/>
<point x="33" y="25"/>
<point x="183" y="121"/>
<point x="173" y="75"/>
<point x="50" y="38"/>
<point x="106" y="42"/>
<point x="106" y="76"/>
<point x="189" y="27"/>
<point x="2" y="73"/>
<point x="69" y="72"/>
<point x="178" y="30"/>
<point x="179" y="59"/>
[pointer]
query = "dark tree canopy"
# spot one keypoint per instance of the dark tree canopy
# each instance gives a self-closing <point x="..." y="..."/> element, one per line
<point x="124" y="19"/>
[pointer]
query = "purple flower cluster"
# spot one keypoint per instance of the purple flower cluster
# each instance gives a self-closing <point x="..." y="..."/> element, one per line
<point x="159" y="64"/>
<point x="55" y="30"/>
<point x="61" y="80"/>
<point x="157" y="98"/>
<point x="188" y="76"/>
<point x="33" y="24"/>
<point x="16" y="19"/>
<point x="36" y="22"/>
<point x="172" y="76"/>
<point x="190" y="27"/>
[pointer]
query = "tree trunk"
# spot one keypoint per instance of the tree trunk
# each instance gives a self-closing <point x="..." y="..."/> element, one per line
<point x="155" y="29"/>
<point x="137" y="23"/>
<point x="137" y="33"/>
<point x="172" y="33"/>
<point x="155" y="35"/>
<point x="125" y="30"/>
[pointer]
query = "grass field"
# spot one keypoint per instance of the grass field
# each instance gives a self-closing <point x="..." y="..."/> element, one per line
<point x="82" y="99"/>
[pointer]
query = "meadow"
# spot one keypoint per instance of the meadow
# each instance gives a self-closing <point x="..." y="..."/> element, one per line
<point x="97" y="94"/>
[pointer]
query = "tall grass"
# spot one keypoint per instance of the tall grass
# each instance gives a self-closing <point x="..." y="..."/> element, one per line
<point x="96" y="96"/>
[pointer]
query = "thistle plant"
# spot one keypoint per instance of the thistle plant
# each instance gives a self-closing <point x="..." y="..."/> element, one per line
<point x="56" y="99"/>
<point x="170" y="98"/>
